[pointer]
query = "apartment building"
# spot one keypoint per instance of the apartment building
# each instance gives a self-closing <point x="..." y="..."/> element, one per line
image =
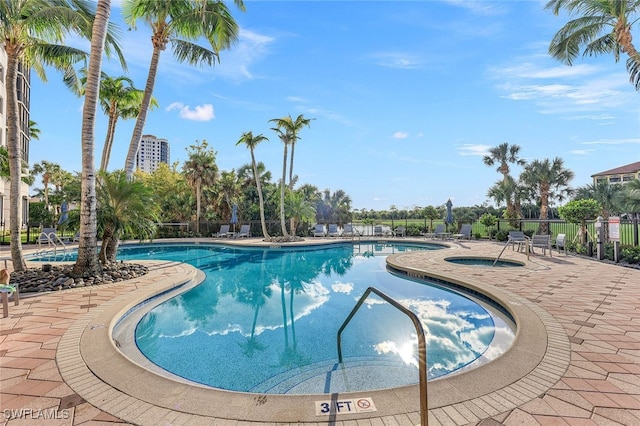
<point x="620" y="174"/>
<point x="151" y="152"/>
<point x="23" y="87"/>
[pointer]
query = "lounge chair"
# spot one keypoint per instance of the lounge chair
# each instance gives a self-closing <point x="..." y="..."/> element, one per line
<point x="223" y="232"/>
<point x="400" y="231"/>
<point x="441" y="231"/>
<point x="245" y="232"/>
<point x="465" y="232"/>
<point x="333" y="230"/>
<point x="349" y="231"/>
<point x="517" y="238"/>
<point x="378" y="231"/>
<point x="319" y="230"/>
<point x="49" y="237"/>
<point x="561" y="243"/>
<point x="543" y="242"/>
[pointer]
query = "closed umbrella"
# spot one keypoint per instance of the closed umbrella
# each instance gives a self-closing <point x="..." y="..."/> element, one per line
<point x="234" y="216"/>
<point x="449" y="219"/>
<point x="64" y="213"/>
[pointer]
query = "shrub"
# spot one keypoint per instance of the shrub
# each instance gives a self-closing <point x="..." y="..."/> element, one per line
<point x="630" y="255"/>
<point x="502" y="235"/>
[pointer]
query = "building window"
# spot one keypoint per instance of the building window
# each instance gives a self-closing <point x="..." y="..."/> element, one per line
<point x="627" y="178"/>
<point x="614" y="179"/>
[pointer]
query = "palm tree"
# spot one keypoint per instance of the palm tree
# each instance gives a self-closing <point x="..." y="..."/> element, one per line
<point x="297" y="125"/>
<point x="251" y="142"/>
<point x="631" y="199"/>
<point x="34" y="130"/>
<point x="299" y="209"/>
<point x="287" y="130"/>
<point x="546" y="180"/>
<point x="32" y="33"/>
<point x="123" y="207"/>
<point x="118" y="99"/>
<point x="47" y="170"/>
<point x="178" y="22"/>
<point x="504" y="154"/>
<point x="87" y="262"/>
<point x="601" y="27"/>
<point x="603" y="192"/>
<point x="200" y="170"/>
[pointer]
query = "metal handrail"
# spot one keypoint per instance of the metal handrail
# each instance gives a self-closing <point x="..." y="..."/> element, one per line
<point x="422" y="345"/>
<point x="509" y="241"/>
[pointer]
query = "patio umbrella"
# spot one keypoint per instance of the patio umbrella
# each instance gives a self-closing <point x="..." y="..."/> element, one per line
<point x="64" y="213"/>
<point x="449" y="219"/>
<point x="234" y="216"/>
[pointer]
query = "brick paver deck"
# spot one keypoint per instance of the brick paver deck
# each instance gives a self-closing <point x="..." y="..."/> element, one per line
<point x="589" y="375"/>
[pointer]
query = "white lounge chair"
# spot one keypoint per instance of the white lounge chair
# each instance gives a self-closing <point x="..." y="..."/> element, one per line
<point x="223" y="232"/>
<point x="333" y="230"/>
<point x="245" y="231"/>
<point x="561" y="243"/>
<point x="400" y="231"/>
<point x="349" y="231"/>
<point x="319" y="230"/>
<point x="465" y="232"/>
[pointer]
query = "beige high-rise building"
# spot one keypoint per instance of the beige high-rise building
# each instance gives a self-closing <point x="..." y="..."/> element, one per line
<point x="24" y="92"/>
<point x="151" y="152"/>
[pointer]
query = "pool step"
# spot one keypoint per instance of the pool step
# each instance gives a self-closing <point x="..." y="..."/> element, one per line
<point x="356" y="374"/>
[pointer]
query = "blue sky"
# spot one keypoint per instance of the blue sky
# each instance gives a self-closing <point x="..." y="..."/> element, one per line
<point x="406" y="97"/>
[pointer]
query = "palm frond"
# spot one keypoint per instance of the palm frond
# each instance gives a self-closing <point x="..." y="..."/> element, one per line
<point x="192" y="53"/>
<point x="633" y="68"/>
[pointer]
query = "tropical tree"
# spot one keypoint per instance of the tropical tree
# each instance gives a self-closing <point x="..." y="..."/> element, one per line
<point x="178" y="23"/>
<point x="296" y="126"/>
<point x="546" y="180"/>
<point x="252" y="142"/>
<point x="579" y="211"/>
<point x="123" y="207"/>
<point x="34" y="130"/>
<point x="87" y="262"/>
<point x="600" y="27"/>
<point x="299" y="209"/>
<point x="631" y="196"/>
<point x="118" y="99"/>
<point x="32" y="34"/>
<point x="47" y="170"/>
<point x="503" y="155"/>
<point x="287" y="130"/>
<point x="603" y="192"/>
<point x="200" y="170"/>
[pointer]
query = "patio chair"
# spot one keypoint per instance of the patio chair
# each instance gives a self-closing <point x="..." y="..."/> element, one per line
<point x="49" y="237"/>
<point x="319" y="230"/>
<point x="561" y="243"/>
<point x="517" y="238"/>
<point x="333" y="230"/>
<point x="400" y="231"/>
<point x="223" y="232"/>
<point x="465" y="232"/>
<point x="543" y="242"/>
<point x="245" y="231"/>
<point x="349" y="231"/>
<point x="377" y="231"/>
<point x="440" y="231"/>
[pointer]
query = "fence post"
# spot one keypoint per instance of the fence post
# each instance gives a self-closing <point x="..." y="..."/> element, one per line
<point x="600" y="237"/>
<point x="635" y="232"/>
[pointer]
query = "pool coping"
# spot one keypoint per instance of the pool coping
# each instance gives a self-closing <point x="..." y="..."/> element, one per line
<point x="92" y="366"/>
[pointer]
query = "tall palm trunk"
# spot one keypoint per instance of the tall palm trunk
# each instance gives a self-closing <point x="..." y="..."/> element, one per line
<point x="87" y="263"/>
<point x="283" y="224"/>
<point x="108" y="142"/>
<point x="15" y="159"/>
<point x="198" y="204"/>
<point x="256" y="176"/>
<point x="129" y="165"/>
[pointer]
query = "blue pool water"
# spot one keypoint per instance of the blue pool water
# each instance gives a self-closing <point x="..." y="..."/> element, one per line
<point x="265" y="320"/>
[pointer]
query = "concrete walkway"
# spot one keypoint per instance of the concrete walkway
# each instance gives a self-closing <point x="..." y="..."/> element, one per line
<point x="580" y="328"/>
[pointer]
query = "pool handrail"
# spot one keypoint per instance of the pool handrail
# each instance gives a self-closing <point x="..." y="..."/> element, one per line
<point x="422" y="345"/>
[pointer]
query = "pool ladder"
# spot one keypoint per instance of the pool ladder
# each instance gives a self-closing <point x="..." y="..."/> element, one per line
<point x="52" y="240"/>
<point x="422" y="345"/>
<point x="526" y="248"/>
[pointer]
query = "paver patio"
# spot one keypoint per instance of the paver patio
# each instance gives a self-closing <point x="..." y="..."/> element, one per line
<point x="595" y="305"/>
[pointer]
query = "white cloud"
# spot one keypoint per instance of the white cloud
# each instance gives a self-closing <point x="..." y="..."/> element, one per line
<point x="474" y="149"/>
<point x="200" y="113"/>
<point x="400" y="135"/>
<point x="631" y="141"/>
<point x="398" y="60"/>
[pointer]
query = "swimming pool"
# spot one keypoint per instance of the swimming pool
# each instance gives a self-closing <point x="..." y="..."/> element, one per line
<point x="265" y="320"/>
